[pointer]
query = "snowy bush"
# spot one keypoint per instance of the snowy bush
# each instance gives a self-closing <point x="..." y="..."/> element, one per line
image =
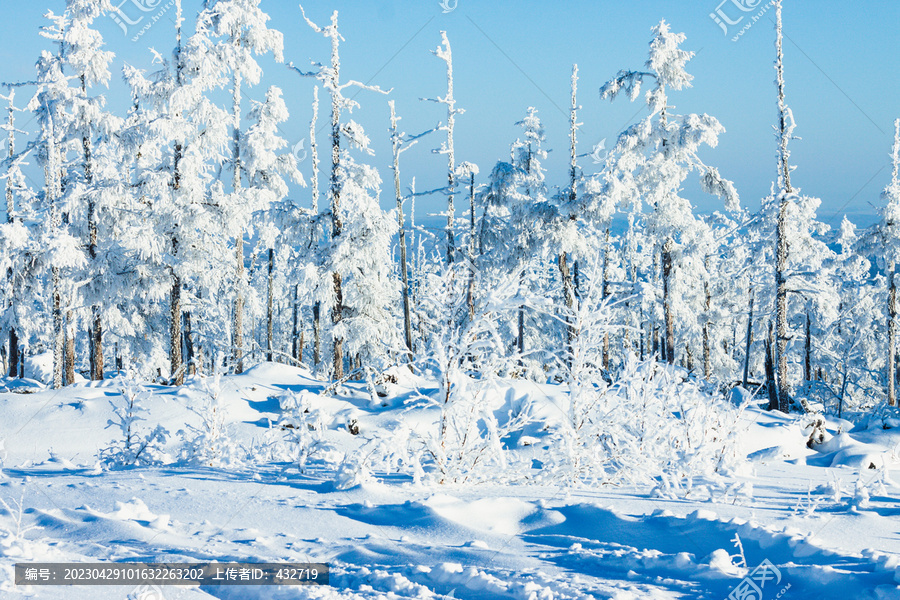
<point x="468" y="356"/>
<point x="137" y="445"/>
<point x="211" y="444"/>
<point x="651" y="427"/>
<point x="14" y="538"/>
<point x="299" y="435"/>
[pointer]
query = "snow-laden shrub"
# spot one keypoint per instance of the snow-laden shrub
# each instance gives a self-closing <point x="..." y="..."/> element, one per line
<point x="137" y="445"/>
<point x="468" y="355"/>
<point x="652" y="426"/>
<point x="211" y="444"/>
<point x="299" y="435"/>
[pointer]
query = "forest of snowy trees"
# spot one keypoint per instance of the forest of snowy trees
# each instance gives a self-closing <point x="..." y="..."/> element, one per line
<point x="169" y="240"/>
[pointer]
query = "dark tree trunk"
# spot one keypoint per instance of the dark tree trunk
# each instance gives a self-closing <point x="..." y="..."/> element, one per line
<point x="317" y="334"/>
<point x="96" y="333"/>
<point x="891" y="370"/>
<point x="771" y="383"/>
<point x="749" y="340"/>
<point x="270" y="309"/>
<point x="336" y="316"/>
<point x="13" y="353"/>
<point x="296" y="344"/>
<point x="176" y="364"/>
<point x="668" y="248"/>
<point x="70" y="348"/>
<point x="807" y="361"/>
<point x="569" y="292"/>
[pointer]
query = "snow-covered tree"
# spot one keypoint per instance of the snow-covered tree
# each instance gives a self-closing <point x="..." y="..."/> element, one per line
<point x="356" y="218"/>
<point x="444" y="53"/>
<point x="231" y="33"/>
<point x="650" y="162"/>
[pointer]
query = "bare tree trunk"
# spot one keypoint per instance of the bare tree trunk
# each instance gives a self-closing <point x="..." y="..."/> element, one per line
<point x="771" y="383"/>
<point x="569" y="293"/>
<point x="404" y="269"/>
<point x="176" y="364"/>
<point x="96" y="344"/>
<point x="781" y="250"/>
<point x="190" y="358"/>
<point x="59" y="335"/>
<point x="270" y="309"/>
<point x="569" y="282"/>
<point x="470" y="293"/>
<point x="70" y="348"/>
<point x="13" y="353"/>
<point x="658" y="352"/>
<point x="337" y="225"/>
<point x="317" y="334"/>
<point x="891" y="365"/>
<point x="10" y="211"/>
<point x="338" y="356"/>
<point x="446" y="55"/>
<point x="807" y="361"/>
<point x="707" y="359"/>
<point x="668" y="248"/>
<point x="520" y="341"/>
<point x="238" y="323"/>
<point x="96" y="339"/>
<point x="296" y="345"/>
<point x="176" y="361"/>
<point x="605" y="295"/>
<point x="53" y="192"/>
<point x="892" y="293"/>
<point x="749" y="339"/>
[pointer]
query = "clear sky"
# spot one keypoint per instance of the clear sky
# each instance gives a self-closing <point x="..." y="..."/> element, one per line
<point x="842" y="66"/>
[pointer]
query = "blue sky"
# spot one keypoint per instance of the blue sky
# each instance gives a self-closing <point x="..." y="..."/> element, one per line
<point x="842" y="62"/>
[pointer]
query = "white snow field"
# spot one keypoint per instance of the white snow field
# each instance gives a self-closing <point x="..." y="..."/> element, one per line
<point x="244" y="488"/>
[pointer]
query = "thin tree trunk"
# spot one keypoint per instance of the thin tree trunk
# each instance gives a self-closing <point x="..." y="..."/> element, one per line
<point x="190" y="357"/>
<point x="569" y="280"/>
<point x="449" y="149"/>
<point x="53" y="183"/>
<point x="749" y="339"/>
<point x="892" y="336"/>
<point x="96" y="344"/>
<point x="569" y="293"/>
<point x="668" y="249"/>
<point x="59" y="335"/>
<point x="771" y="383"/>
<point x="337" y="225"/>
<point x="707" y="359"/>
<point x="317" y="334"/>
<point x="470" y="294"/>
<point x="296" y="345"/>
<point x="605" y="295"/>
<point x="338" y="356"/>
<point x="238" y="323"/>
<point x="807" y="361"/>
<point x="96" y="339"/>
<point x="13" y="353"/>
<point x="10" y="211"/>
<point x="70" y="348"/>
<point x="520" y="340"/>
<point x="176" y="364"/>
<point x="781" y="250"/>
<point x="658" y="352"/>
<point x="270" y="309"/>
<point x="404" y="269"/>
<point x="892" y="293"/>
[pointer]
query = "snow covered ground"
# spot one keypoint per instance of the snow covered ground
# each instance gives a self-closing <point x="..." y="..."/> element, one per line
<point x="825" y="521"/>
